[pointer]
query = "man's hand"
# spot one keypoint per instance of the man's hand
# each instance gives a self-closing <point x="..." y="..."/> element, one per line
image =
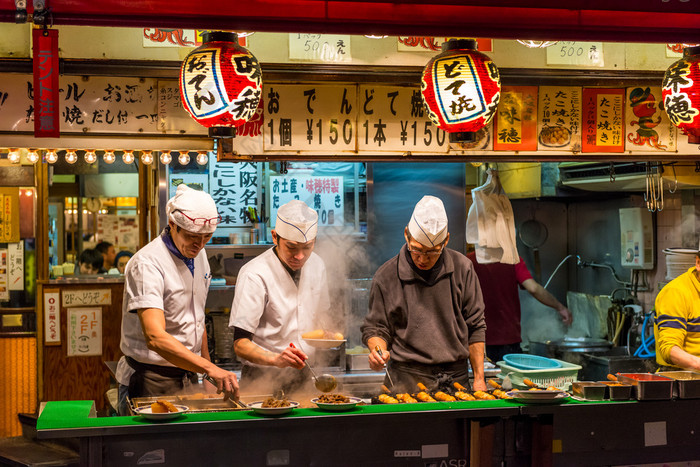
<point x="479" y="385"/>
<point x="566" y="317"/>
<point x="376" y="361"/>
<point x="290" y="357"/>
<point x="226" y="382"/>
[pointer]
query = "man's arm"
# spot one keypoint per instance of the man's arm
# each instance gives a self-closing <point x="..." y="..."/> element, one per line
<point x="477" y="351"/>
<point x="546" y="298"/>
<point x="158" y="340"/>
<point x="683" y="359"/>
<point x="290" y="357"/>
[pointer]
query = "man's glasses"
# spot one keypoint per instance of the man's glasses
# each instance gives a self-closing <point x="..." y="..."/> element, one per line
<point x="202" y="220"/>
<point x="429" y="254"/>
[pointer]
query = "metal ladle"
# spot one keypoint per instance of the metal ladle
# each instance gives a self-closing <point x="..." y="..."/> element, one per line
<point x="325" y="382"/>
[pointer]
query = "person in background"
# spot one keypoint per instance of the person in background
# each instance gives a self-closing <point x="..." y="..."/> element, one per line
<point x="426" y="312"/>
<point x="108" y="254"/>
<point x="280" y="294"/>
<point x="499" y="284"/>
<point x="163" y="337"/>
<point x="120" y="262"/>
<point x="677" y="327"/>
<point x="90" y="262"/>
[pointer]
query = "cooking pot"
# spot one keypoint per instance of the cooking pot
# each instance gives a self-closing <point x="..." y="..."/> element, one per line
<point x="562" y="348"/>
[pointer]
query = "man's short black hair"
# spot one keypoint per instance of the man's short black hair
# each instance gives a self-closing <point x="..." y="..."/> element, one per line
<point x="103" y="247"/>
<point x="92" y="257"/>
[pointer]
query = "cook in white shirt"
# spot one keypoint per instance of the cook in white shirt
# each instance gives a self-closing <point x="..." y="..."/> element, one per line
<point x="279" y="295"/>
<point x="165" y="288"/>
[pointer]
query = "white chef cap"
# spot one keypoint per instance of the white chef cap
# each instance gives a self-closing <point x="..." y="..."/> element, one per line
<point x="428" y="224"/>
<point x="195" y="204"/>
<point x="296" y="222"/>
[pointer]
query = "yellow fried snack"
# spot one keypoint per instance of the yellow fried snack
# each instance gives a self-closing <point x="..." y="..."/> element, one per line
<point x="387" y="399"/>
<point x="425" y="397"/>
<point x="483" y="395"/>
<point x="443" y="396"/>
<point x="465" y="396"/>
<point x="406" y="398"/>
<point x="162" y="406"/>
<point x="501" y="394"/>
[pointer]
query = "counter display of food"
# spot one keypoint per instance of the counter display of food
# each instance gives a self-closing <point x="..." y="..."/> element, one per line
<point x="582" y="433"/>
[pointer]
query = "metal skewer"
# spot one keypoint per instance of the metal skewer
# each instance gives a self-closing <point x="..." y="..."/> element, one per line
<point x="388" y="375"/>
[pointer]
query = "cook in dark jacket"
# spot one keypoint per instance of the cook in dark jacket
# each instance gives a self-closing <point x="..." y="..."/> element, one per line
<point x="426" y="310"/>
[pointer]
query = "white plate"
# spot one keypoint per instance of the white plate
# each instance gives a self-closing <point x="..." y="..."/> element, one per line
<point x="337" y="407"/>
<point x="146" y="412"/>
<point x="324" y="343"/>
<point x="258" y="408"/>
<point x="539" y="397"/>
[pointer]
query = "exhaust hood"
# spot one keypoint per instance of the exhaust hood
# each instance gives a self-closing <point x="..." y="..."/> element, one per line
<point x="622" y="176"/>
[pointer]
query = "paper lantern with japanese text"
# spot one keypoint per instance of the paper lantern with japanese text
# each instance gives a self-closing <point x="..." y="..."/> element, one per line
<point x="220" y="84"/>
<point x="461" y="88"/>
<point x="681" y="93"/>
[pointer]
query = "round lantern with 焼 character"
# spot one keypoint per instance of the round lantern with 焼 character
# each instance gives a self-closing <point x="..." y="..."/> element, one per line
<point x="461" y="88"/>
<point x="220" y="84"/>
<point x="681" y="93"/>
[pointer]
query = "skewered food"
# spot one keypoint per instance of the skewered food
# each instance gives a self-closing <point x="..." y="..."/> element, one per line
<point x="442" y="396"/>
<point x="272" y="402"/>
<point x="552" y="388"/>
<point x="494" y="384"/>
<point x="387" y="399"/>
<point x="483" y="395"/>
<point x="464" y="396"/>
<point x="459" y="387"/>
<point x="425" y="397"/>
<point x="333" y="399"/>
<point x="500" y="394"/>
<point x="163" y="406"/>
<point x="422" y="387"/>
<point x="406" y="398"/>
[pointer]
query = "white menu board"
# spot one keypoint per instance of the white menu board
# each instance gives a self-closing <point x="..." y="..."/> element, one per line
<point x="84" y="332"/>
<point x="52" y="318"/>
<point x="15" y="266"/>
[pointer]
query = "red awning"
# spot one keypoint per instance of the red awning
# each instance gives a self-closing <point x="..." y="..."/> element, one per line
<point x="600" y="20"/>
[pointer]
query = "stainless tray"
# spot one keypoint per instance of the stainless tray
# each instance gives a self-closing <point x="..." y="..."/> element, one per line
<point x="618" y="391"/>
<point x="588" y="390"/>
<point x="686" y="383"/>
<point x="648" y="386"/>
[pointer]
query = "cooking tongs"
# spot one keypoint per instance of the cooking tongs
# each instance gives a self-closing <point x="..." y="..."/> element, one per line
<point x="228" y="395"/>
<point x="379" y="351"/>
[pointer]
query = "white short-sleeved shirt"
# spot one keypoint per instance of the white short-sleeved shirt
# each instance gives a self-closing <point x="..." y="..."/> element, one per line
<point x="269" y="304"/>
<point x="156" y="278"/>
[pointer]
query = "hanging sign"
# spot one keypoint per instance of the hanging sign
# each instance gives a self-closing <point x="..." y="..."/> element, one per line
<point x="52" y="317"/>
<point x="46" y="71"/>
<point x="9" y="214"/>
<point x="15" y="266"/>
<point x="4" y="290"/>
<point x="393" y="118"/>
<point x="320" y="47"/>
<point x="647" y="126"/>
<point x="322" y="194"/>
<point x="311" y="117"/>
<point x="234" y="188"/>
<point x="603" y="120"/>
<point x="588" y="54"/>
<point x="84" y="331"/>
<point x="516" y="120"/>
<point x="559" y="121"/>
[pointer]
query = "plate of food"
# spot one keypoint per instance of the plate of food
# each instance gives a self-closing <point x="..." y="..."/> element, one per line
<point x="272" y="406"/>
<point x="323" y="339"/>
<point x="336" y="402"/>
<point x="555" y="136"/>
<point x="161" y="410"/>
<point x="539" y="396"/>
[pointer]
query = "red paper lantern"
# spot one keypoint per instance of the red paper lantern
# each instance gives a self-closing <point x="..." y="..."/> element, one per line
<point x="681" y="93"/>
<point x="461" y="89"/>
<point x="220" y="84"/>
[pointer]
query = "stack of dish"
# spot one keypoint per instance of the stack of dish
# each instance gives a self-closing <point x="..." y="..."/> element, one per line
<point x="678" y="261"/>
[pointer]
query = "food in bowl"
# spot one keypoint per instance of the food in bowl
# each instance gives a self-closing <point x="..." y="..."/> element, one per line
<point x="163" y="406"/>
<point x="271" y="402"/>
<point x="333" y="399"/>
<point x="323" y="334"/>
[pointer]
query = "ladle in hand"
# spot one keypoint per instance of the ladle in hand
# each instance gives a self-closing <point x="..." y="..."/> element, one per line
<point x="325" y="382"/>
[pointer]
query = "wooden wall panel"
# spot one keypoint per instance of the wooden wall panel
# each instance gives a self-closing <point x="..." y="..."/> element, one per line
<point x="83" y="378"/>
<point x="18" y="382"/>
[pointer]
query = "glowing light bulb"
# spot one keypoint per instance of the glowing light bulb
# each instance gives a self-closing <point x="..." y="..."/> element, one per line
<point x="536" y="44"/>
<point x="109" y="156"/>
<point x="184" y="158"/>
<point x="147" y="157"/>
<point x="165" y="157"/>
<point x="51" y="156"/>
<point x="71" y="156"/>
<point x="33" y="156"/>
<point x="90" y="156"/>
<point x="128" y="157"/>
<point x="14" y="156"/>
<point x="202" y="158"/>
<point x="372" y="36"/>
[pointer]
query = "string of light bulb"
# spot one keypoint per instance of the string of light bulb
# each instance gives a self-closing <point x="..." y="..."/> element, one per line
<point x="90" y="156"/>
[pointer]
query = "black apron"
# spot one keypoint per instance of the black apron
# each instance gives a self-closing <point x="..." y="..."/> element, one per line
<point x="156" y="380"/>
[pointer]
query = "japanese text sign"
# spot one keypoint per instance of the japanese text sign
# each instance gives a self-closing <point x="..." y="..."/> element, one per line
<point x="516" y="120"/>
<point x="87" y="297"/>
<point x="9" y="214"/>
<point x="559" y="121"/>
<point x="320" y="47"/>
<point x="603" y="120"/>
<point x="84" y="331"/>
<point x="322" y="194"/>
<point x="234" y="187"/>
<point x="15" y="266"/>
<point x="46" y="71"/>
<point x="52" y="317"/>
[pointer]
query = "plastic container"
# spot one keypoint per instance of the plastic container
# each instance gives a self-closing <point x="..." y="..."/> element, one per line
<point x="525" y="361"/>
<point x="558" y="377"/>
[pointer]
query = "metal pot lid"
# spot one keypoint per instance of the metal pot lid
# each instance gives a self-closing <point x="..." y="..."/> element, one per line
<point x="568" y="342"/>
